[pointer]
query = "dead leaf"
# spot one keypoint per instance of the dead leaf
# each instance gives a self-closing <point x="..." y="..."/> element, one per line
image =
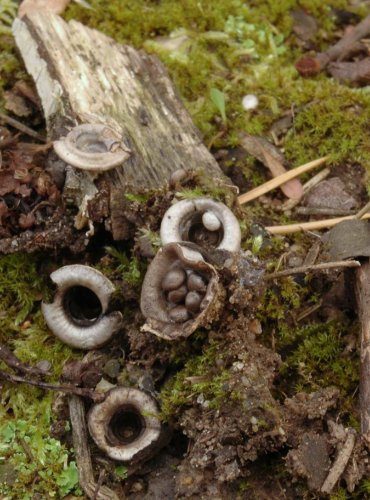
<point x="7" y="182"/>
<point x="52" y="6"/>
<point x="273" y="159"/>
<point x="26" y="220"/>
<point x="16" y="104"/>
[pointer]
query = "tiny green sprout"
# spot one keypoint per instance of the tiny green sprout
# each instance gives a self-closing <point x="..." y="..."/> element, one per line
<point x="218" y="99"/>
<point x="121" y="471"/>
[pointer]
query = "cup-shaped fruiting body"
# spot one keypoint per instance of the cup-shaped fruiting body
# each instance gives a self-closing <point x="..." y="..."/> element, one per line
<point x="180" y="293"/>
<point x="126" y="425"/>
<point x="77" y="314"/>
<point x="92" y="147"/>
<point x="203" y="221"/>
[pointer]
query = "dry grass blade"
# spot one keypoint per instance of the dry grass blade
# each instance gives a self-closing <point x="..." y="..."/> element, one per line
<point x="281" y="179"/>
<point x="310" y="226"/>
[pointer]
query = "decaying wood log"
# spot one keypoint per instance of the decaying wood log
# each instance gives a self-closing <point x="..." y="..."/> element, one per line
<point x="83" y="76"/>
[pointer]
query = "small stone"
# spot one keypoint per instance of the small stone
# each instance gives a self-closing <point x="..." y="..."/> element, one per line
<point x="192" y="301"/>
<point x="179" y="314"/>
<point x="254" y="421"/>
<point x="178" y="295"/>
<point x="196" y="283"/>
<point x="210" y="221"/>
<point x="173" y="279"/>
<point x="250" y="101"/>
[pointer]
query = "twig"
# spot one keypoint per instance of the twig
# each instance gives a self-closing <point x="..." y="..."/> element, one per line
<point x="281" y="179"/>
<point x="82" y="452"/>
<point x="309" y="226"/>
<point x="345" y="43"/>
<point x="23" y="128"/>
<point x="315" y="267"/>
<point x="363" y="305"/>
<point x="290" y="204"/>
<point x="323" y="211"/>
<point x="99" y="483"/>
<point x="308" y="311"/>
<point x="16" y="364"/>
<point x="340" y="463"/>
<point x="364" y="210"/>
<point x="312" y="65"/>
<point x="69" y="389"/>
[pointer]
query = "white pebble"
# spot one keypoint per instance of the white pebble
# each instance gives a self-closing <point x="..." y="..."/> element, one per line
<point x="250" y="101"/>
<point x="210" y="221"/>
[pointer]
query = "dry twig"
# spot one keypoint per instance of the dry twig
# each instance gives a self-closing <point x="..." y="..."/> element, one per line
<point x="16" y="364"/>
<point x="315" y="267"/>
<point x="309" y="226"/>
<point x="69" y="389"/>
<point x="83" y="457"/>
<point x="281" y="179"/>
<point x="23" y="128"/>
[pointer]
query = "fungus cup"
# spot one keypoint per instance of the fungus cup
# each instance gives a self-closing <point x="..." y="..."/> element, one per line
<point x="92" y="147"/>
<point x="180" y="293"/>
<point x="126" y="425"/>
<point x="203" y="221"/>
<point x="77" y="315"/>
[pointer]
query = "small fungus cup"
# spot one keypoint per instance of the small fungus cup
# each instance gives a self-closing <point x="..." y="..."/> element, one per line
<point x="77" y="315"/>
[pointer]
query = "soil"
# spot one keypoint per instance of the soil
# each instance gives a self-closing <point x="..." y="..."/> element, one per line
<point x="258" y="403"/>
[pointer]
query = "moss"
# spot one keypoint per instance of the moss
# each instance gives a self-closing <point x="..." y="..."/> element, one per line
<point x="199" y="377"/>
<point x="10" y="66"/>
<point x="238" y="49"/>
<point x="316" y="357"/>
<point x="23" y="329"/>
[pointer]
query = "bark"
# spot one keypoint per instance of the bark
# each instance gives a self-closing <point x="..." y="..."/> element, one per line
<point x="83" y="76"/>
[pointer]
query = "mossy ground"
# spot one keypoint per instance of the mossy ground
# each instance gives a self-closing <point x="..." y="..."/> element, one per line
<point x="239" y="49"/>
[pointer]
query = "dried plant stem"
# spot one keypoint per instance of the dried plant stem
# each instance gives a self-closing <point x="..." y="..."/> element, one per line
<point x="69" y="389"/>
<point x="315" y="267"/>
<point x="280" y="179"/>
<point x="83" y="458"/>
<point x="340" y="463"/>
<point x="23" y="128"/>
<point x="16" y="364"/>
<point x="363" y="211"/>
<point x="309" y="226"/>
<point x="363" y="305"/>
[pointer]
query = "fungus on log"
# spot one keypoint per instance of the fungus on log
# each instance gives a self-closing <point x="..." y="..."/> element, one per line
<point x="83" y="76"/>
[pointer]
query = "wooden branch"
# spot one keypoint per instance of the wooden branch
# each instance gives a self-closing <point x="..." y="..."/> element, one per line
<point x="309" y="226"/>
<point x="83" y="76"/>
<point x="281" y="179"/>
<point x="82" y="452"/>
<point x="363" y="303"/>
